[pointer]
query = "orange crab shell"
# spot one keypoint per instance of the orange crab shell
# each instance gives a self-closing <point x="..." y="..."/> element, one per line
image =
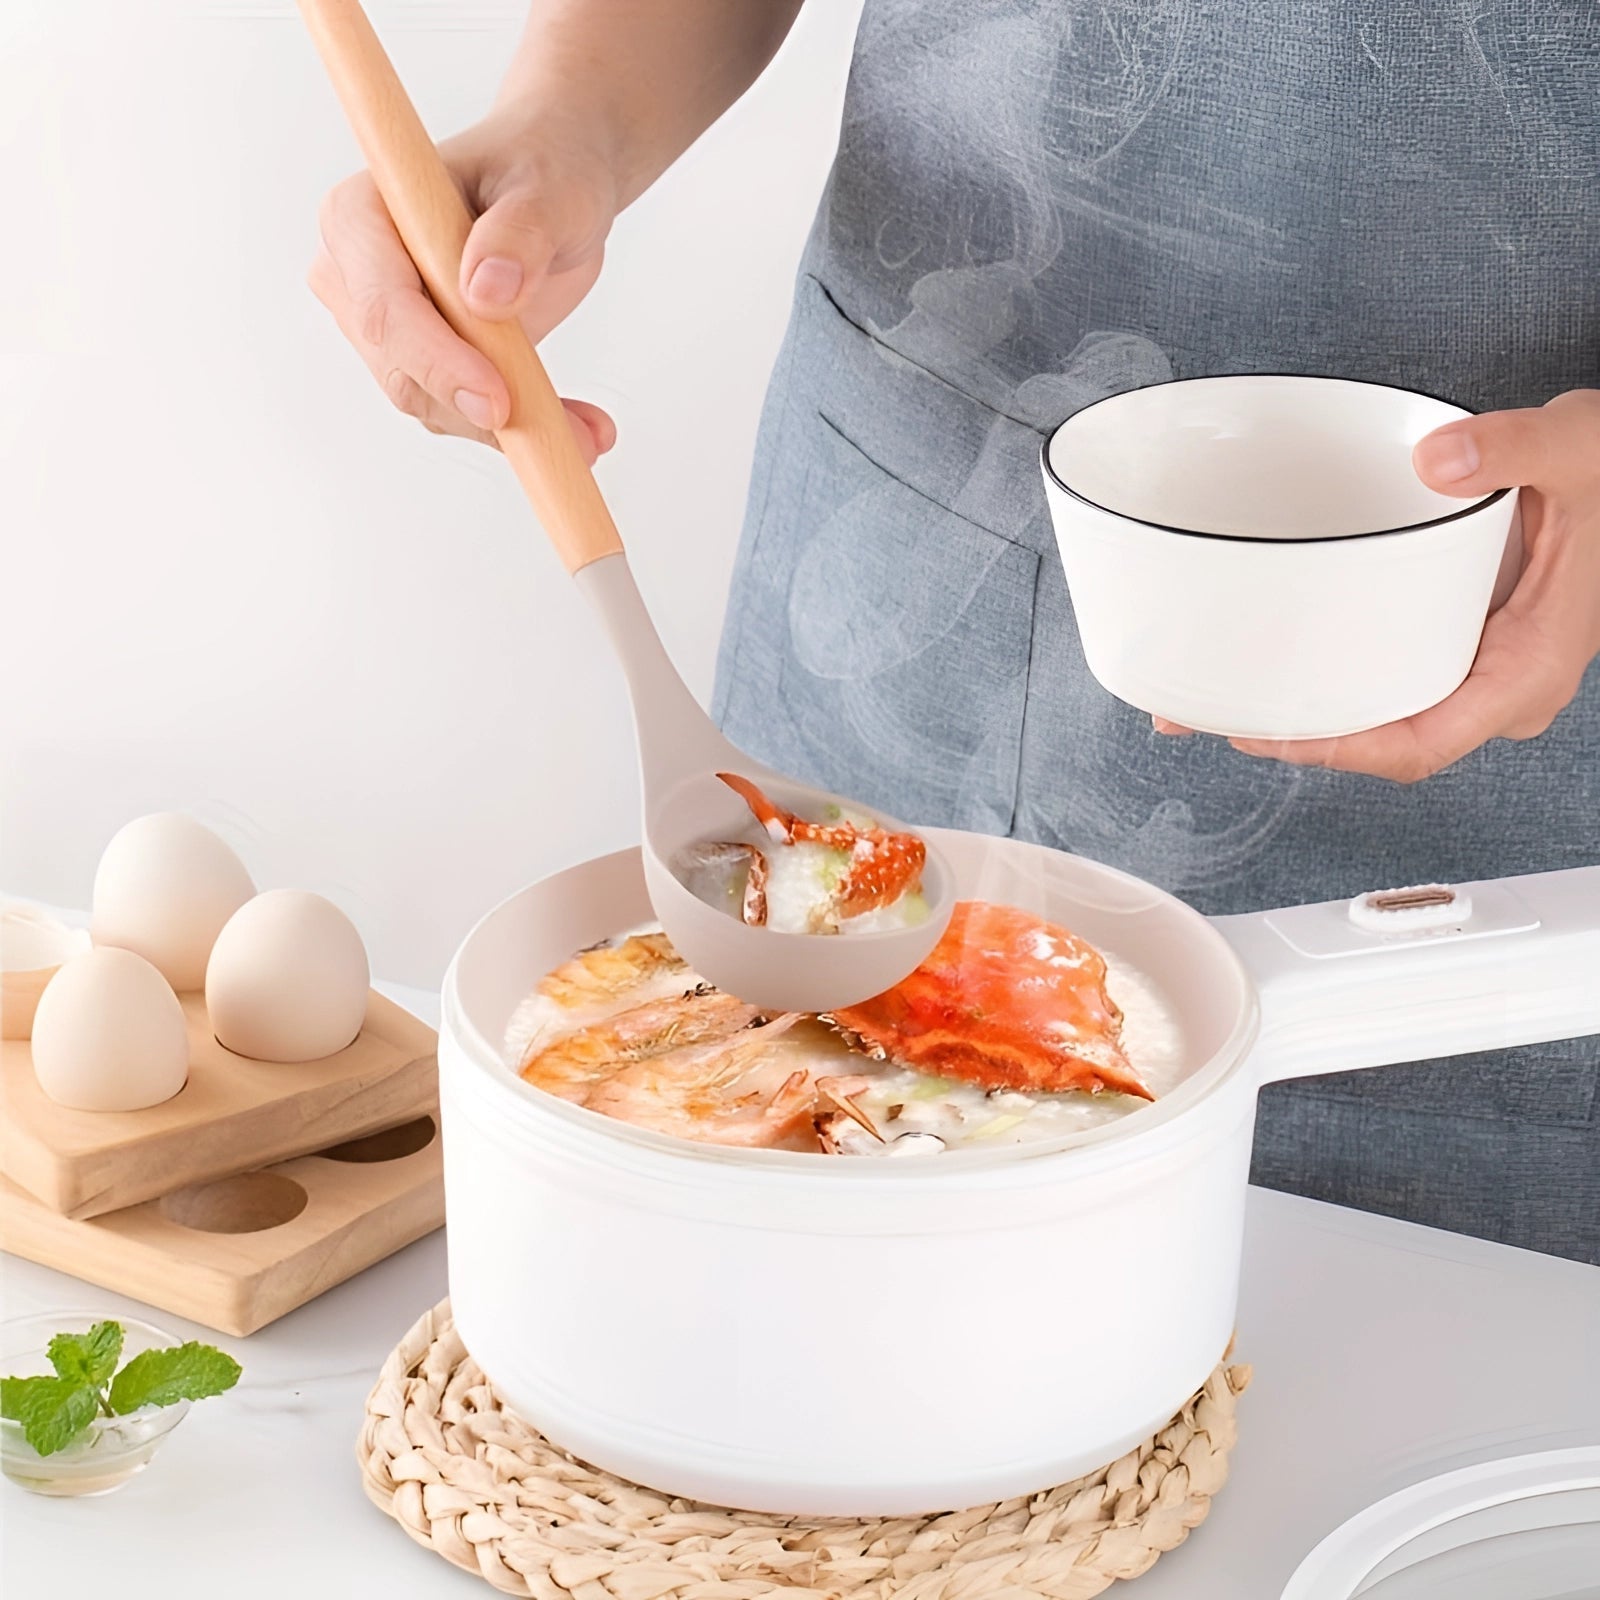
<point x="1006" y="1001"/>
<point x="883" y="866"/>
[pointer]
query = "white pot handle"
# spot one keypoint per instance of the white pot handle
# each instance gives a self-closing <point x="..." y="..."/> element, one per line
<point x="1509" y="961"/>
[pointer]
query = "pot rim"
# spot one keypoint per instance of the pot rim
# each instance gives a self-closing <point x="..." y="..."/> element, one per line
<point x="1141" y="1134"/>
<point x="1469" y="508"/>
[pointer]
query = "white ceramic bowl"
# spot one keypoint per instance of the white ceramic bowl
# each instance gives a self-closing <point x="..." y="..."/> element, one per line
<point x="1255" y="556"/>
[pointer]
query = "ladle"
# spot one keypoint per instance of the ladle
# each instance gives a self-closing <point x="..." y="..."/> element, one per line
<point x="680" y="749"/>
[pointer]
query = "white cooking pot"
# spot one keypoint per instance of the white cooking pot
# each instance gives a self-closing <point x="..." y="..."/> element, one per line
<point x="1255" y="555"/>
<point x="834" y="1336"/>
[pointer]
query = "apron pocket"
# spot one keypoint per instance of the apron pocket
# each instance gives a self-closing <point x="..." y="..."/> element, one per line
<point x="877" y="644"/>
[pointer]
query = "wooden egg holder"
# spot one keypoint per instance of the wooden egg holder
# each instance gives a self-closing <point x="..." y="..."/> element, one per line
<point x="255" y="1188"/>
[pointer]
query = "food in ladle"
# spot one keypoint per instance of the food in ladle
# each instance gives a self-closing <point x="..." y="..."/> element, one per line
<point x="1007" y="1033"/>
<point x="844" y="874"/>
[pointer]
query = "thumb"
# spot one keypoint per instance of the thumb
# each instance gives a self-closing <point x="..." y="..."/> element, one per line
<point x="1498" y="450"/>
<point x="508" y="252"/>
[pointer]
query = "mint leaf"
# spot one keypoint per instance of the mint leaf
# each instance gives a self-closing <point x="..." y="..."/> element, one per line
<point x="14" y="1394"/>
<point x="164" y="1377"/>
<point x="89" y="1357"/>
<point x="52" y="1411"/>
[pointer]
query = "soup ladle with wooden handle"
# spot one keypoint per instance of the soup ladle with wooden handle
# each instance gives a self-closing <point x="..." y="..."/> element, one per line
<point x="681" y="750"/>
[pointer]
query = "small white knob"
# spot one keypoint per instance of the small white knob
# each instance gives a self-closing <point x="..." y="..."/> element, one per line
<point x="1414" y="909"/>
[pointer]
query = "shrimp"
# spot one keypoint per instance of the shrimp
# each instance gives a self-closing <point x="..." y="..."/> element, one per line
<point x="575" y="1063"/>
<point x="731" y="1091"/>
<point x="838" y="1117"/>
<point x="598" y="976"/>
<point x="594" y="986"/>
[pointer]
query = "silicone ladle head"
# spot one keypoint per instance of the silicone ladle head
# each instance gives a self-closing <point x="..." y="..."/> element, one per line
<point x="681" y="753"/>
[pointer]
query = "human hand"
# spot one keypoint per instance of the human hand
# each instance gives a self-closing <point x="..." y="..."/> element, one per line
<point x="1537" y="646"/>
<point x="544" y="205"/>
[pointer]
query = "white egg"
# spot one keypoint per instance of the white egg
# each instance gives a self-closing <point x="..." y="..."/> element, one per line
<point x="164" y="888"/>
<point x="288" y="978"/>
<point x="109" y="1034"/>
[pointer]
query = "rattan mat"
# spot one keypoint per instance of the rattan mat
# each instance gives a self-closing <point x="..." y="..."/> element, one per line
<point x="490" y="1493"/>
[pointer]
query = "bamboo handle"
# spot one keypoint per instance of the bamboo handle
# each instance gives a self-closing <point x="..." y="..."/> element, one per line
<point x="433" y="222"/>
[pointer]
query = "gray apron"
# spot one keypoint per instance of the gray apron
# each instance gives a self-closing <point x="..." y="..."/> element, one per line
<point x="1037" y="204"/>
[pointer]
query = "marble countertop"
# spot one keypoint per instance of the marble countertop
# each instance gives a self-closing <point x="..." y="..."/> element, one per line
<point x="1383" y="1352"/>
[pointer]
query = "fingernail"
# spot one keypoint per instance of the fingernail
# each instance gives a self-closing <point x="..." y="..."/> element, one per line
<point x="1447" y="457"/>
<point x="495" y="281"/>
<point x="475" y="408"/>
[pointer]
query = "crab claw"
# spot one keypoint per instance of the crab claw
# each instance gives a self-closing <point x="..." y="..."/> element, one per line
<point x="778" y="822"/>
<point x="881" y="866"/>
<point x="711" y="869"/>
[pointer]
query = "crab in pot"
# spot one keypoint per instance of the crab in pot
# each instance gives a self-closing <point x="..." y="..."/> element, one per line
<point x="1006" y="1001"/>
<point x="1007" y="1010"/>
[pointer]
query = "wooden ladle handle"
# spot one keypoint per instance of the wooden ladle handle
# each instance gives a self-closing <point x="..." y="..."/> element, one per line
<point x="433" y="222"/>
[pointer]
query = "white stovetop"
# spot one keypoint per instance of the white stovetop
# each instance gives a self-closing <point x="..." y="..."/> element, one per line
<point x="1384" y="1353"/>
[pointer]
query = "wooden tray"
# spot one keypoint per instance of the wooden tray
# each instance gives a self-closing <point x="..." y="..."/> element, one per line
<point x="239" y="1252"/>
<point x="233" y="1114"/>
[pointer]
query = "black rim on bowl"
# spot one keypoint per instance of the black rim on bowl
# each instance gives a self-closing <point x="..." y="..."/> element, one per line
<point x="1469" y="508"/>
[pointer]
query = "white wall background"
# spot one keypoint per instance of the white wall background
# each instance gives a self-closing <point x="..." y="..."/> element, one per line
<point x="232" y="581"/>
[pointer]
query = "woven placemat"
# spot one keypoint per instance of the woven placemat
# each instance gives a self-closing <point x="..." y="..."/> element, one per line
<point x="490" y="1493"/>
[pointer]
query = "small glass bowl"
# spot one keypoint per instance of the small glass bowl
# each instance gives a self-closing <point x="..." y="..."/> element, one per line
<point x="112" y="1449"/>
